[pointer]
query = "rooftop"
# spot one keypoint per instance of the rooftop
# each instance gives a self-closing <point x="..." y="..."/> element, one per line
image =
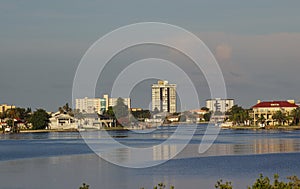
<point x="275" y="104"/>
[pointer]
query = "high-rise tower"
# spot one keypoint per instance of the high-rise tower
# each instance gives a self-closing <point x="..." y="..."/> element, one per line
<point x="164" y="97"/>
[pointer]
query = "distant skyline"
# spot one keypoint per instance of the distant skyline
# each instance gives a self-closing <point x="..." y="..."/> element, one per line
<point x="41" y="43"/>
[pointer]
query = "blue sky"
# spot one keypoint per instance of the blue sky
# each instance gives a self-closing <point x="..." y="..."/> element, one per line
<point x="41" y="43"/>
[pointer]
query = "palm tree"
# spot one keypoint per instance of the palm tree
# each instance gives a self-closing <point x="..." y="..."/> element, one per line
<point x="13" y="114"/>
<point x="296" y="116"/>
<point x="280" y="117"/>
<point x="261" y="119"/>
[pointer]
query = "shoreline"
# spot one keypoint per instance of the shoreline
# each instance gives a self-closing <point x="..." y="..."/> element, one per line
<point x="262" y="128"/>
<point x="127" y="129"/>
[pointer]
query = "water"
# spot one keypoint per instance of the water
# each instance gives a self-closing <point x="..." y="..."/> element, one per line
<point x="63" y="160"/>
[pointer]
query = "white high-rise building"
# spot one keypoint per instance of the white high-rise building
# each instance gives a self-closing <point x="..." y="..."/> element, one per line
<point x="98" y="105"/>
<point x="90" y="105"/>
<point x="164" y="97"/>
<point x="219" y="105"/>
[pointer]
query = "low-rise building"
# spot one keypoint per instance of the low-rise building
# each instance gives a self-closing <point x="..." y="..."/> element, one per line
<point x="62" y="121"/>
<point x="266" y="110"/>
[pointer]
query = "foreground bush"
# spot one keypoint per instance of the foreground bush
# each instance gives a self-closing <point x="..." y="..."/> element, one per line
<point x="260" y="183"/>
<point x="265" y="183"/>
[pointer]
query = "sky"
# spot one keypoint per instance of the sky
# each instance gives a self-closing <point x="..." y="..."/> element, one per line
<point x="256" y="43"/>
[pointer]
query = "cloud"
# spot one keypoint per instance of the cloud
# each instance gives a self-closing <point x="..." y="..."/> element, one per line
<point x="223" y="53"/>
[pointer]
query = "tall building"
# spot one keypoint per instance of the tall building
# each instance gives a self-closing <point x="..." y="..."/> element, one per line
<point x="219" y="105"/>
<point x="90" y="105"/>
<point x="164" y="97"/>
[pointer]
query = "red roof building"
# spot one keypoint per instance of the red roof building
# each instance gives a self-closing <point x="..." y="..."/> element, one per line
<point x="275" y="104"/>
<point x="264" y="111"/>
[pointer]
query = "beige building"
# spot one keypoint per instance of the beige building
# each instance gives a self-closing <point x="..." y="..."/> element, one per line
<point x="268" y="108"/>
<point x="90" y="105"/>
<point x="164" y="97"/>
<point x="113" y="101"/>
<point x="219" y="105"/>
<point x="98" y="105"/>
<point x="5" y="107"/>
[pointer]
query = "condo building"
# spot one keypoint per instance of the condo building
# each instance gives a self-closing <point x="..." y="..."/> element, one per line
<point x="98" y="105"/>
<point x="164" y="97"/>
<point x="90" y="105"/>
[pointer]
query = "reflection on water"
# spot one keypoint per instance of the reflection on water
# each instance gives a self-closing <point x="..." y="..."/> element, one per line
<point x="256" y="146"/>
<point x="229" y="142"/>
<point x="164" y="152"/>
<point x="60" y="168"/>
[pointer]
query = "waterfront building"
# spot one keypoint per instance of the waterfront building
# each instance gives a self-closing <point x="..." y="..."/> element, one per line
<point x="219" y="105"/>
<point x="267" y="109"/>
<point x="62" y="121"/>
<point x="5" y="107"/>
<point x="164" y="97"/>
<point x="91" y="105"/>
<point x="98" y="105"/>
<point x="113" y="101"/>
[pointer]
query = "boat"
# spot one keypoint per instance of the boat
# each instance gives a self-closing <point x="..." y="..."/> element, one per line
<point x="226" y="124"/>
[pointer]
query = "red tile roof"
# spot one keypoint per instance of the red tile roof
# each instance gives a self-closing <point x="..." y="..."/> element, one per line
<point x="275" y="104"/>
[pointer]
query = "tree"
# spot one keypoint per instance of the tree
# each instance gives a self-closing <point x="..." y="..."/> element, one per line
<point x="120" y="109"/>
<point x="207" y="116"/>
<point x="156" y="110"/>
<point x="40" y="119"/>
<point x="141" y="115"/>
<point x="221" y="185"/>
<point x="205" y="109"/>
<point x="84" y="186"/>
<point x="109" y="113"/>
<point x="261" y="119"/>
<point x="238" y="115"/>
<point x="65" y="109"/>
<point x="13" y="114"/>
<point x="296" y="116"/>
<point x="280" y="117"/>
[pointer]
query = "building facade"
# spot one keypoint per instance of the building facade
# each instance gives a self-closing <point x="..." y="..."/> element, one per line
<point x="113" y="101"/>
<point x="98" y="105"/>
<point x="263" y="111"/>
<point x="219" y="105"/>
<point x="164" y="97"/>
<point x="90" y="105"/>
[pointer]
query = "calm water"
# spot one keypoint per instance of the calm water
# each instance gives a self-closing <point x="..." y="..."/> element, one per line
<point x="63" y="160"/>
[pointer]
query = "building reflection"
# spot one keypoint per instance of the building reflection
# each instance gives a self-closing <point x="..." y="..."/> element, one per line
<point x="164" y="152"/>
<point x="262" y="146"/>
<point x="256" y="146"/>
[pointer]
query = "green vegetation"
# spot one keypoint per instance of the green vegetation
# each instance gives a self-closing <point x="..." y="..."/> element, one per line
<point x="40" y="119"/>
<point x="160" y="186"/>
<point x="207" y="116"/>
<point x="142" y="114"/>
<point x="238" y="115"/>
<point x="84" y="186"/>
<point x="65" y="109"/>
<point x="265" y="183"/>
<point x="296" y="116"/>
<point x="280" y="117"/>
